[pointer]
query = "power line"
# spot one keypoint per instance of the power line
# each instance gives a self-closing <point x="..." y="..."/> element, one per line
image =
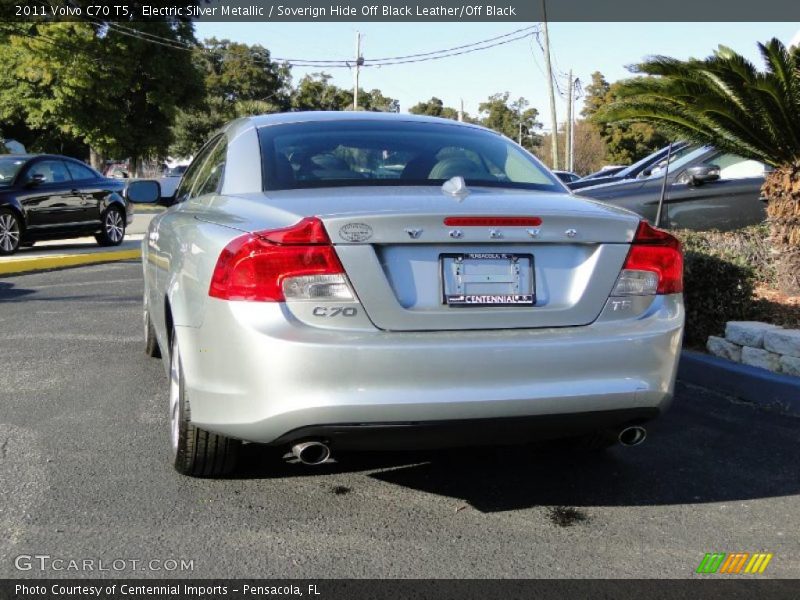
<point x="326" y="63"/>
<point x="323" y="63"/>
<point x="535" y="60"/>
<point x="485" y="44"/>
<point x="451" y="54"/>
<point x="533" y="29"/>
<point x="530" y="28"/>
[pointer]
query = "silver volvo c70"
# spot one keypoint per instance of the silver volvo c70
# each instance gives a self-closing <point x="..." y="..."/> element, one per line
<point x="331" y="281"/>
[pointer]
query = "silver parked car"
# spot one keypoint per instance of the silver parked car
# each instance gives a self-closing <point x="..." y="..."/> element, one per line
<point x="331" y="281"/>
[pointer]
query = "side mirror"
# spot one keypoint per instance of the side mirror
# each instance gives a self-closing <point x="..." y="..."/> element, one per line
<point x="35" y="180"/>
<point x="702" y="174"/>
<point x="144" y="191"/>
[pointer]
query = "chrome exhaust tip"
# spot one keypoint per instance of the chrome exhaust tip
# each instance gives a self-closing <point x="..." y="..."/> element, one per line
<point x="632" y="436"/>
<point x="311" y="453"/>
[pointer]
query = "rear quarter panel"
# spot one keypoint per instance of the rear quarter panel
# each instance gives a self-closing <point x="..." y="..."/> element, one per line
<point x="182" y="251"/>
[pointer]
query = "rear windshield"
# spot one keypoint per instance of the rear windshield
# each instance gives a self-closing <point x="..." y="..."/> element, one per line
<point x="369" y="153"/>
<point x="9" y="167"/>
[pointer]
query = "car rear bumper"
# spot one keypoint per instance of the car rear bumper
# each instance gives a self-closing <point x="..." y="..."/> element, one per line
<point x="254" y="373"/>
<point x="419" y="435"/>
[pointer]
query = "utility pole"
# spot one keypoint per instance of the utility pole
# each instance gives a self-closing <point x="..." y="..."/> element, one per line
<point x="570" y="151"/>
<point x="572" y="134"/>
<point x="519" y="120"/>
<point x="549" y="69"/>
<point x="359" y="62"/>
<point x="461" y="111"/>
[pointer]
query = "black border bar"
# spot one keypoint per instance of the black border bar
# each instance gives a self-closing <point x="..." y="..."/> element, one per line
<point x="520" y="11"/>
<point x="707" y="586"/>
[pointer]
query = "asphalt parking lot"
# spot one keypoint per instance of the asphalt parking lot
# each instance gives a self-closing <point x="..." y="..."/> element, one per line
<point x="84" y="474"/>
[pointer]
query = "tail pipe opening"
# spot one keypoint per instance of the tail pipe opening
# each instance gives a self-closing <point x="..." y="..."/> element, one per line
<point x="632" y="436"/>
<point x="311" y="453"/>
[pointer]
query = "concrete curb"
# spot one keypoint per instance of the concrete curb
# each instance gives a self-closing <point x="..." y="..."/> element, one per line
<point x="752" y="384"/>
<point x="17" y="265"/>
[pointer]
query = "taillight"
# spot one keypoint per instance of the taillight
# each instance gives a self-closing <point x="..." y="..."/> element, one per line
<point x="293" y="263"/>
<point x="654" y="264"/>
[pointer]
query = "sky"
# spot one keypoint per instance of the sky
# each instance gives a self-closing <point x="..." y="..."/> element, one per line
<point x="517" y="67"/>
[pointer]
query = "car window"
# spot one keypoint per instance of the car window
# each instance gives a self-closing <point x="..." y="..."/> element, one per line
<point x="209" y="177"/>
<point x="399" y="153"/>
<point x="679" y="163"/>
<point x="52" y="171"/>
<point x="79" y="172"/>
<point x="9" y="167"/>
<point x="732" y="166"/>
<point x="174" y="171"/>
<point x="192" y="173"/>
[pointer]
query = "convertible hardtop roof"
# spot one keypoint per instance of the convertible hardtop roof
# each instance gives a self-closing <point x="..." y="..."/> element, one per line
<point x="330" y="116"/>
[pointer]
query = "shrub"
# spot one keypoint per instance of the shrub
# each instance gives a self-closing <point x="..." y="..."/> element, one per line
<point x="720" y="274"/>
<point x="722" y="271"/>
<point x="748" y="247"/>
<point x="715" y="291"/>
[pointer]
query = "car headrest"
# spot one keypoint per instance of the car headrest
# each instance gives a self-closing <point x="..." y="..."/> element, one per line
<point x="454" y="167"/>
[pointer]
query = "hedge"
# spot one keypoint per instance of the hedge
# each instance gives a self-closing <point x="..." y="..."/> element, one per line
<point x="721" y="271"/>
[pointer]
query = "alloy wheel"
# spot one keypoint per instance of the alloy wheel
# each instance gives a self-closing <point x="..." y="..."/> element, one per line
<point x="115" y="229"/>
<point x="9" y="232"/>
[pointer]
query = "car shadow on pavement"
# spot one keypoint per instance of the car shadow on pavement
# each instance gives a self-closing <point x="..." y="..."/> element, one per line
<point x="8" y="291"/>
<point x="706" y="449"/>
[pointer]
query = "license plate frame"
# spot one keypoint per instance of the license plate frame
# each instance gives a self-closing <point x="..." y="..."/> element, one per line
<point x="521" y="269"/>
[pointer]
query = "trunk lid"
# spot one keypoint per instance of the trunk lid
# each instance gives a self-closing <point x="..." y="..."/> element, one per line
<point x="392" y="241"/>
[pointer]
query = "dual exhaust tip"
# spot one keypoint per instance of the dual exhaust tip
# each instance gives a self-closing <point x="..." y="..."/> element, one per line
<point x="316" y="453"/>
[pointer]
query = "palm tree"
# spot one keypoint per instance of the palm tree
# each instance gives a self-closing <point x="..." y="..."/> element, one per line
<point x="725" y="101"/>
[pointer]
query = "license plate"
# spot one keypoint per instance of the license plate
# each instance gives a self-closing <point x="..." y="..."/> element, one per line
<point x="488" y="279"/>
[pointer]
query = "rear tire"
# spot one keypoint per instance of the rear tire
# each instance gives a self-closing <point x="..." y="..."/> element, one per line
<point x="10" y="232"/>
<point x="112" y="231"/>
<point x="195" y="452"/>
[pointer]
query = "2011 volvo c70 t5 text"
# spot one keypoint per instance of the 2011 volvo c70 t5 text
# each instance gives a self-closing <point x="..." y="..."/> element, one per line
<point x="362" y="280"/>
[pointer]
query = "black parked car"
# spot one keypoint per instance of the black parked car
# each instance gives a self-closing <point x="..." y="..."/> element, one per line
<point x="45" y="197"/>
<point x="604" y="172"/>
<point x="641" y="168"/>
<point x="706" y="189"/>
<point x="566" y="176"/>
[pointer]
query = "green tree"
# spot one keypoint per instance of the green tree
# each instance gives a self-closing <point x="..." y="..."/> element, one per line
<point x="105" y="87"/>
<point x="725" y="101"/>
<point x="625" y="142"/>
<point x="435" y="108"/>
<point x="238" y="80"/>
<point x="513" y="119"/>
<point x="375" y="101"/>
<point x="597" y="95"/>
<point x="316" y="92"/>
